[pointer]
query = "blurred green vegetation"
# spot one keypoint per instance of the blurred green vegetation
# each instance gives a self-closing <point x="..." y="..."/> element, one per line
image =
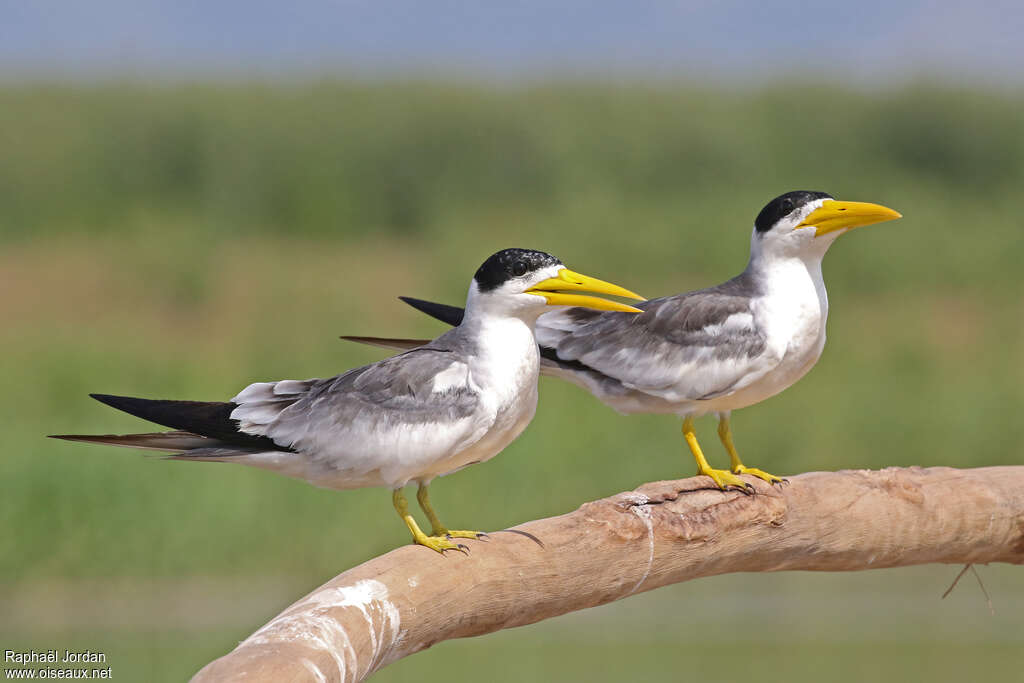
<point x="184" y="241"/>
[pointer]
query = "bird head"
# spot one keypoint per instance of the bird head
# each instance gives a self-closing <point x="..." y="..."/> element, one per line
<point x="807" y="222"/>
<point x="522" y="282"/>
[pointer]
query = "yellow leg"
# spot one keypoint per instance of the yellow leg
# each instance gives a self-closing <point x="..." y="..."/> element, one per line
<point x="722" y="478"/>
<point x="438" y="529"/>
<point x="435" y="542"/>
<point x="725" y="434"/>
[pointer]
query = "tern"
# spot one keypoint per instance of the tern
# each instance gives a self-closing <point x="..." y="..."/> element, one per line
<point x="713" y="350"/>
<point x="452" y="402"/>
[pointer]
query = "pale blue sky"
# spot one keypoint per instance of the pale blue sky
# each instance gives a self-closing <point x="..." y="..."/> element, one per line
<point x="866" y="41"/>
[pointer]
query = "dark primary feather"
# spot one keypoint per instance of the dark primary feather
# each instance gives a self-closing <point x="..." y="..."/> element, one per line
<point x="453" y="316"/>
<point x="204" y="418"/>
<point x="447" y="314"/>
<point x="681" y="319"/>
<point x="671" y="330"/>
<point x="158" y="441"/>
<point x="386" y="342"/>
<point x="292" y="414"/>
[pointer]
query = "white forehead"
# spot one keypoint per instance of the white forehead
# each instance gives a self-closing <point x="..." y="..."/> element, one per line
<point x="807" y="209"/>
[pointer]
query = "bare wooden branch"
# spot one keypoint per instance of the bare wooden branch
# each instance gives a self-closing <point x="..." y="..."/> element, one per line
<point x="661" y="533"/>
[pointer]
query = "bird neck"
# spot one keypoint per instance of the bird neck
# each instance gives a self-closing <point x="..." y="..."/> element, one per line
<point x="503" y="353"/>
<point x="795" y="276"/>
<point x="500" y="334"/>
<point x="770" y="260"/>
<point x="486" y="310"/>
<point x="488" y="327"/>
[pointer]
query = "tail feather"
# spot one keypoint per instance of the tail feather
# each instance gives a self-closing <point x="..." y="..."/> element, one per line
<point x="200" y="418"/>
<point x="180" y="445"/>
<point x="158" y="441"/>
<point x="387" y="342"/>
<point x="448" y="314"/>
<point x="220" y="453"/>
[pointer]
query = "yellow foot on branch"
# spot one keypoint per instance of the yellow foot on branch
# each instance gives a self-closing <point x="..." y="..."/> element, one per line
<point x="725" y="478"/>
<point x="436" y="527"/>
<point x="440" y="540"/>
<point x="760" y="474"/>
<point x="456" y="533"/>
<point x="438" y="543"/>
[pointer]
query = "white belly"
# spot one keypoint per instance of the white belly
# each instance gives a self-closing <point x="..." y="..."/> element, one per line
<point x="796" y="362"/>
<point x="506" y="424"/>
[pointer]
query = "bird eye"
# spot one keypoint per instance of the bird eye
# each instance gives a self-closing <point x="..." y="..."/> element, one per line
<point x="787" y="205"/>
<point x="519" y="268"/>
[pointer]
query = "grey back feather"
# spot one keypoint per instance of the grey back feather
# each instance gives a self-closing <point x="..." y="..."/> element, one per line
<point x="640" y="351"/>
<point x="392" y="392"/>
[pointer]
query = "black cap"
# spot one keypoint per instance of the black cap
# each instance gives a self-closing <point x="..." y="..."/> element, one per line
<point x="783" y="205"/>
<point x="509" y="264"/>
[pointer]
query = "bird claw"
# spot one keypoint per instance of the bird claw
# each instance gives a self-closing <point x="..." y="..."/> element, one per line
<point x="760" y="474"/>
<point x="440" y="544"/>
<point x="457" y="547"/>
<point x="724" y="479"/>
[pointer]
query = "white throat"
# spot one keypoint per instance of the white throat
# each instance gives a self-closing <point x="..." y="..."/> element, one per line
<point x="504" y="358"/>
<point x="481" y="308"/>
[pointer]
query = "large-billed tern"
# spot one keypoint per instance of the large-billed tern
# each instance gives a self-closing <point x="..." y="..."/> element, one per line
<point x="452" y="402"/>
<point x="713" y="350"/>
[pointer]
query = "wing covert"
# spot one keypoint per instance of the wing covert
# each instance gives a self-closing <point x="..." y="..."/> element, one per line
<point x="421" y="385"/>
<point x="693" y="346"/>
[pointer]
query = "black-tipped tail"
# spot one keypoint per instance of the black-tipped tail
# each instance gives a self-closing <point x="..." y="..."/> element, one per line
<point x="201" y="418"/>
<point x="443" y="312"/>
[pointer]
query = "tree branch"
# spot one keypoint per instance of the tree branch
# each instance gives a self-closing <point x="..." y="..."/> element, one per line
<point x="661" y="533"/>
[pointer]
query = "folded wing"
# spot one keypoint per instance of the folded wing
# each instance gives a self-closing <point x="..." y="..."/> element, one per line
<point x="688" y="347"/>
<point x="368" y="408"/>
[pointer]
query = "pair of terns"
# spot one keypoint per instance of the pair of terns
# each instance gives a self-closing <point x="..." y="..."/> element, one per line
<point x="461" y="398"/>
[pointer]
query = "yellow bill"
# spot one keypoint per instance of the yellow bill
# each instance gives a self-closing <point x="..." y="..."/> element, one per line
<point x="554" y="290"/>
<point x="834" y="215"/>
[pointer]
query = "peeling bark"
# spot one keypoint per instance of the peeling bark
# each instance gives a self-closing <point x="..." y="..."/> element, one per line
<point x="661" y="533"/>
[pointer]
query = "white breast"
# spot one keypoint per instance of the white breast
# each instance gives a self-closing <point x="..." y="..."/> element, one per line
<point x="792" y="313"/>
<point x="507" y="365"/>
<point x="504" y="369"/>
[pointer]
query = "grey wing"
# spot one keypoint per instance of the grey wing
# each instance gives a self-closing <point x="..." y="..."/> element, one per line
<point x="405" y="391"/>
<point x="688" y="347"/>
